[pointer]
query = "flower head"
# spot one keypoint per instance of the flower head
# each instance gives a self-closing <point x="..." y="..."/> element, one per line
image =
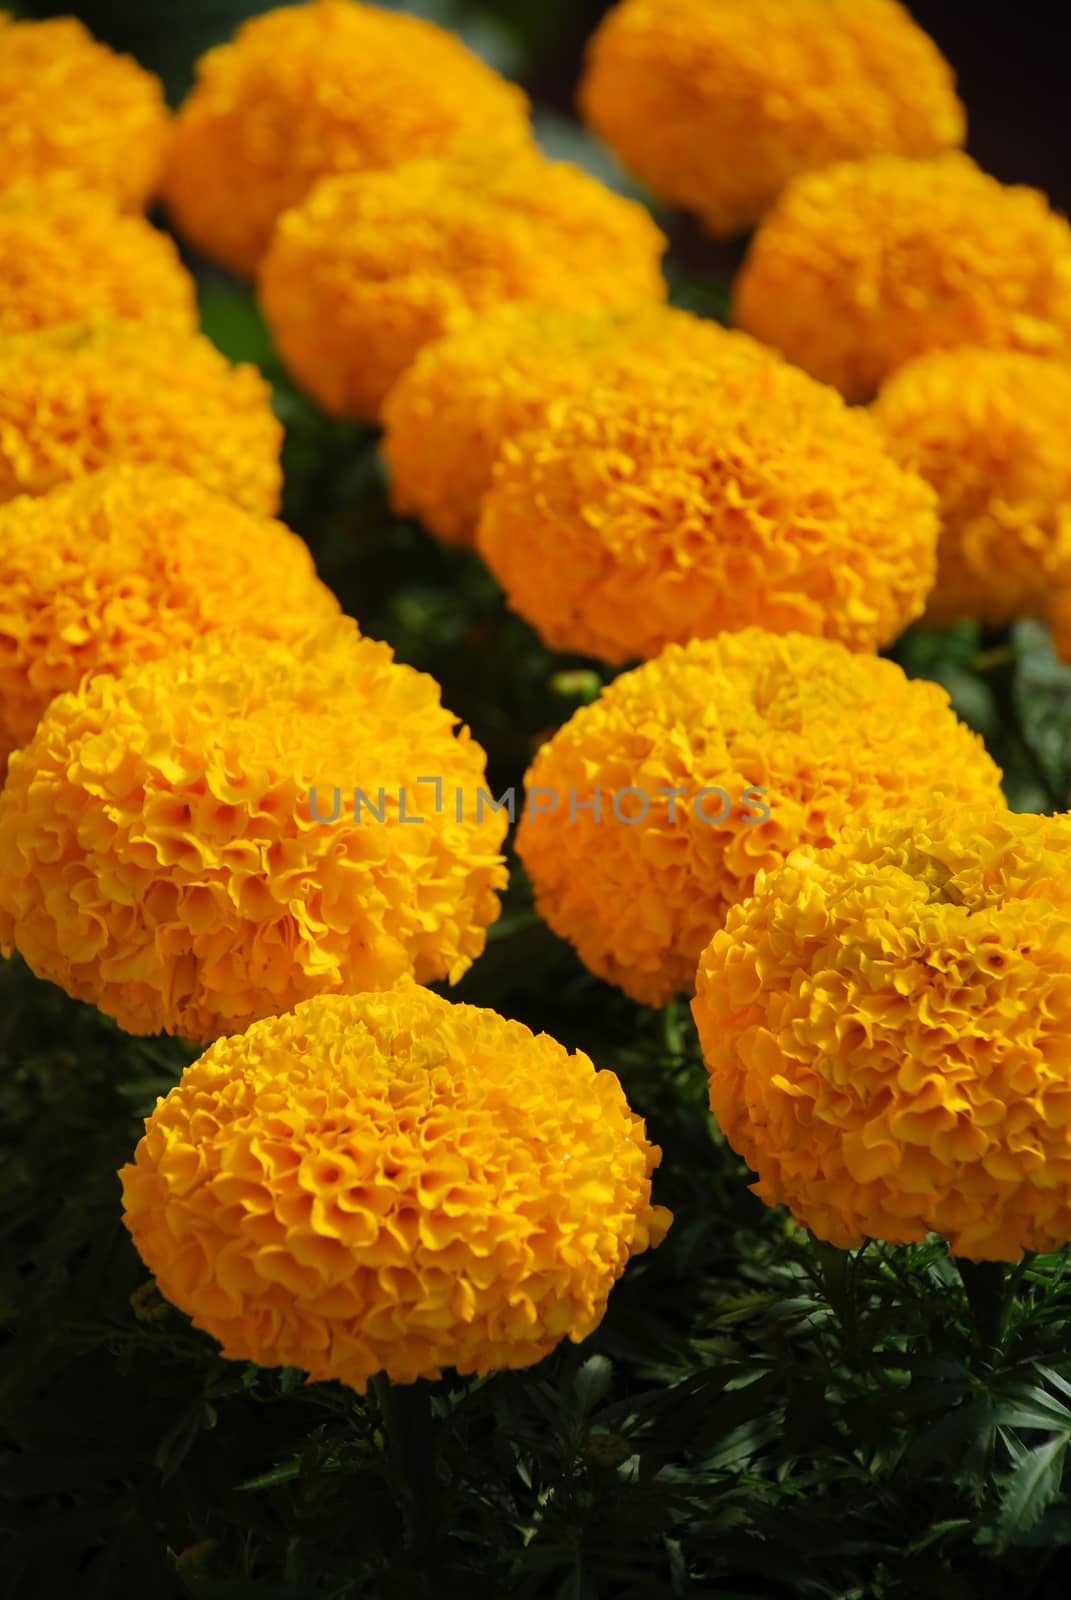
<point x="861" y="267"/>
<point x="127" y="565"/>
<point x="450" y="413"/>
<point x="76" y="398"/>
<point x="306" y="90"/>
<point x="391" y="1183"/>
<point x="171" y="850"/>
<point x="717" y="104"/>
<point x="989" y="430"/>
<point x="675" y="506"/>
<point x="66" y="255"/>
<point x="372" y="267"/>
<point x="713" y="735"/>
<point x="69" y="104"/>
<point x="887" y="1027"/>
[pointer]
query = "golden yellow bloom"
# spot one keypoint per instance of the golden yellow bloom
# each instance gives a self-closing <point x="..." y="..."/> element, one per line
<point x="170" y="849"/>
<point x="640" y="886"/>
<point x="77" y="398"/>
<point x="887" y="1027"/>
<point x="989" y="430"/>
<point x="69" y="104"/>
<point x="449" y="414"/>
<point x="391" y="1183"/>
<point x="372" y="267"/>
<point x="129" y="564"/>
<point x="66" y="255"/>
<point x="717" y="104"/>
<point x="668" y="508"/>
<point x="313" y="89"/>
<point x="860" y="268"/>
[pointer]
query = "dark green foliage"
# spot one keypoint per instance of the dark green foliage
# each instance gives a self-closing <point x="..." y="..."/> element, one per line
<point x="757" y="1416"/>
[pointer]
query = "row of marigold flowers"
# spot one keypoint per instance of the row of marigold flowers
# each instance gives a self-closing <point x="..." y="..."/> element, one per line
<point x="358" y="1176"/>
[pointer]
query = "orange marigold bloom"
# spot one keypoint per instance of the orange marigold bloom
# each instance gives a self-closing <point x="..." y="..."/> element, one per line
<point x="307" y="90"/>
<point x="989" y="430"/>
<point x="66" y="255"/>
<point x="861" y="267"/>
<point x="639" y="884"/>
<point x="169" y="849"/>
<point x="127" y="565"/>
<point x="717" y="104"/>
<point x="663" y="509"/>
<point x="69" y="104"/>
<point x="77" y="398"/>
<point x="391" y="1183"/>
<point x="887" y="1027"/>
<point x="373" y="266"/>
<point x="449" y="414"/>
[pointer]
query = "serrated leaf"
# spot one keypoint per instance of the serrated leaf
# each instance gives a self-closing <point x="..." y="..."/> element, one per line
<point x="1034" y="1485"/>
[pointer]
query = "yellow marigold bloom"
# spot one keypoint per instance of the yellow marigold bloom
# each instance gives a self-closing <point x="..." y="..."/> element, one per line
<point x="717" y="104"/>
<point x="449" y="414"/>
<point x="373" y="266"/>
<point x="66" y="255"/>
<point x="391" y="1183"/>
<point x="129" y="564"/>
<point x="989" y="430"/>
<point x="887" y="1027"/>
<point x="860" y="268"/>
<point x="170" y="849"/>
<point x="77" y="398"/>
<point x="307" y="90"/>
<point x="70" y="104"/>
<point x="667" y="508"/>
<point x="795" y="727"/>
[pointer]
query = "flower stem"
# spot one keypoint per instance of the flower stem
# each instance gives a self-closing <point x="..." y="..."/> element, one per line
<point x="408" y="1427"/>
<point x="986" y="1285"/>
<point x="832" y="1276"/>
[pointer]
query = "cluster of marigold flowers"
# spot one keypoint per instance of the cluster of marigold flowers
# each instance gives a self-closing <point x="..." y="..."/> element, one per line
<point x="359" y="1176"/>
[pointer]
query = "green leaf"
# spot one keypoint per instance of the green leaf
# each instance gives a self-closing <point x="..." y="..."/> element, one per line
<point x="285" y="1473"/>
<point x="1034" y="1485"/>
<point x="592" y="1383"/>
<point x="229" y="317"/>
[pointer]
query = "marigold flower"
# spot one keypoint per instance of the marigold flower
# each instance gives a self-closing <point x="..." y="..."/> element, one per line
<point x="373" y="266"/>
<point x="66" y="255"/>
<point x="169" y="849"/>
<point x="127" y="565"/>
<point x="716" y="104"/>
<point x="449" y="414"/>
<point x="887" y="1027"/>
<point x="861" y="267"/>
<point x="77" y="398"/>
<point x="391" y="1183"/>
<point x="313" y="89"/>
<point x="70" y="104"/>
<point x="988" y="429"/>
<point x="667" y="508"/>
<point x="639" y="883"/>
